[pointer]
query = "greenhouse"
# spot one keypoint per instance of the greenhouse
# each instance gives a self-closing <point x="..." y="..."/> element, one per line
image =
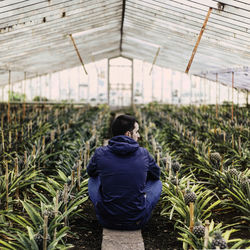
<point x="70" y="71"/>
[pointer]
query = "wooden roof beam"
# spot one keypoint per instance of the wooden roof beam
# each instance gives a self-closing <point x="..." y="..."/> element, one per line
<point x="122" y="23"/>
<point x="198" y="40"/>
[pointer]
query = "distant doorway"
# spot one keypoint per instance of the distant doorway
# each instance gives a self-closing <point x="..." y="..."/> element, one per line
<point x="120" y="82"/>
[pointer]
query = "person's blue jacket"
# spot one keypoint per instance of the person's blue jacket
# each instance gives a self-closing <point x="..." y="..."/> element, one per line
<point x="123" y="167"/>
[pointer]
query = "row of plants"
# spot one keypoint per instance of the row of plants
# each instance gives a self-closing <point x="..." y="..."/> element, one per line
<point x="43" y="181"/>
<point x="195" y="166"/>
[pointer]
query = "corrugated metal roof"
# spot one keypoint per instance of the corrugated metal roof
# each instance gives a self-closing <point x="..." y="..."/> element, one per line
<point x="34" y="35"/>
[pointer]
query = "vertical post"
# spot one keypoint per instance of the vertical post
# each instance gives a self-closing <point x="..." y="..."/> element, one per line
<point x="69" y="87"/>
<point x="59" y="84"/>
<point x="16" y="176"/>
<point x="7" y="184"/>
<point x="216" y="96"/>
<point x="238" y="96"/>
<point x="142" y="82"/>
<point x="232" y="96"/>
<point x="108" y="82"/>
<point x="191" y="214"/>
<point x="219" y="87"/>
<point x="88" y="89"/>
<point x="132" y="83"/>
<point x="205" y="91"/>
<point x="181" y="87"/>
<point x="162" y="84"/>
<point x="79" y="79"/>
<point x="56" y="210"/>
<point x="190" y="82"/>
<point x="50" y="77"/>
<point x="2" y="94"/>
<point x="9" y="97"/>
<point x="200" y="100"/>
<point x="31" y="88"/>
<point x="209" y="89"/>
<point x="40" y="88"/>
<point x="206" y="237"/>
<point x="247" y="98"/>
<point x="45" y="232"/>
<point x="24" y="95"/>
<point x="171" y="86"/>
<point x="152" y="85"/>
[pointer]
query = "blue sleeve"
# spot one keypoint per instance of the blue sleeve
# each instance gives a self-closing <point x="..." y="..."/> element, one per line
<point x="154" y="170"/>
<point x="92" y="166"/>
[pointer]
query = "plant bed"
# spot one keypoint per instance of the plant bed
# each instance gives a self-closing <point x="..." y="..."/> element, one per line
<point x="159" y="233"/>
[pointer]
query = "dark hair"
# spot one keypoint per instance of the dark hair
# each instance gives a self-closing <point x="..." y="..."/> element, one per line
<point x="122" y="124"/>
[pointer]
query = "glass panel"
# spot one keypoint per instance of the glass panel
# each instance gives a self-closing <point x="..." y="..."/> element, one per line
<point x="120" y="61"/>
<point x="120" y="74"/>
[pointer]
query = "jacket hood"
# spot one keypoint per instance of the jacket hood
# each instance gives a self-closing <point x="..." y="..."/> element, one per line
<point x="122" y="145"/>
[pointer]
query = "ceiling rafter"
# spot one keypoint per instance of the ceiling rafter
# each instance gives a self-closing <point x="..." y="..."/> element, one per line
<point x="34" y="35"/>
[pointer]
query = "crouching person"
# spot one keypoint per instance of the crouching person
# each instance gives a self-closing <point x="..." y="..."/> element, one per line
<point x="124" y="183"/>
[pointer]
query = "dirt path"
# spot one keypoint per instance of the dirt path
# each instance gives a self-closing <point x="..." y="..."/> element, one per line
<point x="158" y="234"/>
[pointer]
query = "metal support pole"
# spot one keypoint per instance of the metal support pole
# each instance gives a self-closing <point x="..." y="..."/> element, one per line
<point x="24" y="95"/>
<point x="209" y="89"/>
<point x="40" y="87"/>
<point x="59" y="85"/>
<point x="108" y="87"/>
<point x="219" y="87"/>
<point x="79" y="80"/>
<point x="9" y="97"/>
<point x="69" y="88"/>
<point x="232" y="96"/>
<point x="162" y="84"/>
<point x="205" y="91"/>
<point x="50" y="77"/>
<point x="181" y="88"/>
<point x="88" y="90"/>
<point x="247" y="99"/>
<point x="190" y="82"/>
<point x="152" y="85"/>
<point x="171" y="86"/>
<point x="142" y="83"/>
<point x="2" y="94"/>
<point x="216" y="96"/>
<point x="132" y="83"/>
<point x="200" y="100"/>
<point x="238" y="97"/>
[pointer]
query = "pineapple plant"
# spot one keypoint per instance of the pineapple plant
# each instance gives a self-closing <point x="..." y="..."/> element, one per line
<point x="218" y="241"/>
<point x="198" y="230"/>
<point x="233" y="171"/>
<point x="38" y="237"/>
<point x="176" y="166"/>
<point x="245" y="182"/>
<point x="189" y="197"/>
<point x="50" y="213"/>
<point x="173" y="180"/>
<point x="215" y="158"/>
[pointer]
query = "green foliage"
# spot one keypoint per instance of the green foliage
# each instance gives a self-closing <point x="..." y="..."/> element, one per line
<point x="16" y="96"/>
<point x="40" y="99"/>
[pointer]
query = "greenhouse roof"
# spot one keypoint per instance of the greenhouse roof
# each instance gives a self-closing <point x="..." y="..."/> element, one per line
<point x="44" y="36"/>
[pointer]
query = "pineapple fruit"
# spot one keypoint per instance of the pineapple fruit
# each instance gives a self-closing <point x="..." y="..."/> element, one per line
<point x="189" y="197"/>
<point x="198" y="230"/>
<point x="218" y="241"/>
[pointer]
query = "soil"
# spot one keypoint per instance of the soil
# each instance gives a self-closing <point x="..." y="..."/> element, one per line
<point x="87" y="233"/>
